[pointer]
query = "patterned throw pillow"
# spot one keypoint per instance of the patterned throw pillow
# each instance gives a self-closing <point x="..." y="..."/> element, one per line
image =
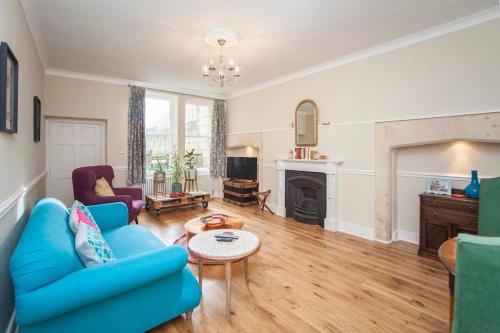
<point x="103" y="189"/>
<point x="80" y="214"/>
<point x="92" y="247"/>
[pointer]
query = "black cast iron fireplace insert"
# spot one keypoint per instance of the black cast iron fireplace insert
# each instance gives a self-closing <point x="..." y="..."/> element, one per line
<point x="305" y="196"/>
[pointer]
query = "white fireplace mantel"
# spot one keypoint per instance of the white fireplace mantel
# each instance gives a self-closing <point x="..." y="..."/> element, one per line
<point x="327" y="167"/>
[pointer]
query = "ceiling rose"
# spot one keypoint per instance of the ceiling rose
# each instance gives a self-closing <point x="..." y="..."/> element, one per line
<point x="212" y="37"/>
<point x="220" y="73"/>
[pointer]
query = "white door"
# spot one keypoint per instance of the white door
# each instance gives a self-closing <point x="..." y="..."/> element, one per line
<point x="71" y="144"/>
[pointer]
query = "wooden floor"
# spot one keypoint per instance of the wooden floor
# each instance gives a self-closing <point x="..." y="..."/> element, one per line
<point x="305" y="279"/>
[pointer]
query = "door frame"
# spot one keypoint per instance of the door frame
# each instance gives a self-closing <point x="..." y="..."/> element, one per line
<point x="56" y="119"/>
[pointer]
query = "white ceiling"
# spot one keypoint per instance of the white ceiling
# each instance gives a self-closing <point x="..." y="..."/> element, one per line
<point x="159" y="41"/>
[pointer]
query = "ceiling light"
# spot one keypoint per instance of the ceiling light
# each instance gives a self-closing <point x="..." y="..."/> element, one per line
<point x="221" y="74"/>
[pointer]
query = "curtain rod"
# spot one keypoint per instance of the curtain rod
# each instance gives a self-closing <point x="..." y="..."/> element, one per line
<point x="173" y="92"/>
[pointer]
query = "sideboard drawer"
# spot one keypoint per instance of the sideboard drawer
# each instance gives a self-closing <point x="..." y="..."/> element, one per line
<point x="442" y="216"/>
<point x="465" y="207"/>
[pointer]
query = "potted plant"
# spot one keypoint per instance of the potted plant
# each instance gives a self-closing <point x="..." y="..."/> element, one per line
<point x="175" y="171"/>
<point x="190" y="161"/>
<point x="159" y="174"/>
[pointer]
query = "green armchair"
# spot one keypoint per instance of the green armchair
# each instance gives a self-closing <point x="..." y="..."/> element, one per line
<point x="477" y="285"/>
<point x="489" y="208"/>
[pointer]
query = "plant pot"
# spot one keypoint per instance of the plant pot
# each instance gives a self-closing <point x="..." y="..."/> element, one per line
<point x="190" y="174"/>
<point x="472" y="190"/>
<point x="176" y="187"/>
<point x="159" y="177"/>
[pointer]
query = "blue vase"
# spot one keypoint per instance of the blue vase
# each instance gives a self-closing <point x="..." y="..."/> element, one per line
<point x="472" y="190"/>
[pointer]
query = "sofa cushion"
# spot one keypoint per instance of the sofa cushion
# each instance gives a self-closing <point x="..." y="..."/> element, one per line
<point x="103" y="189"/>
<point x="136" y="206"/>
<point x="46" y="250"/>
<point x="131" y="240"/>
<point x="80" y="214"/>
<point x="91" y="247"/>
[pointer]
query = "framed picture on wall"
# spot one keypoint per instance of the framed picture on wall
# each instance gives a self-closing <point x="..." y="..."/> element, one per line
<point x="9" y="72"/>
<point x="439" y="186"/>
<point x="37" y="113"/>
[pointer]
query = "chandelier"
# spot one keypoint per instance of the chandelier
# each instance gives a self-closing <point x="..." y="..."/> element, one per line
<point x="220" y="73"/>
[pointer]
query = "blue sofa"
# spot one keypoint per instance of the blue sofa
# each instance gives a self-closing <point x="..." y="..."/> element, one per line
<point x="149" y="283"/>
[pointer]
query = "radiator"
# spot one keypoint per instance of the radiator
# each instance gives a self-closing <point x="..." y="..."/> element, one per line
<point x="204" y="184"/>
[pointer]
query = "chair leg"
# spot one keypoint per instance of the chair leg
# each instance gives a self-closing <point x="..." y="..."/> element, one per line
<point x="189" y="314"/>
<point x="136" y="220"/>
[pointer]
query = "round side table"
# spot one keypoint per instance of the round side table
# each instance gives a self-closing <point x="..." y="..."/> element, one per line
<point x="204" y="245"/>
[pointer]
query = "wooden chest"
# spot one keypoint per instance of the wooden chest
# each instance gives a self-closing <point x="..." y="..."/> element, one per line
<point x="239" y="192"/>
<point x="443" y="217"/>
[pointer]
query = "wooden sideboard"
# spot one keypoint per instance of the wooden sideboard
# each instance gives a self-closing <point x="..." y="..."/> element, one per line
<point x="442" y="217"/>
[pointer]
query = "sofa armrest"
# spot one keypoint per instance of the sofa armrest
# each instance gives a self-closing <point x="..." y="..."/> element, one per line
<point x="134" y="192"/>
<point x="95" y="284"/>
<point x="110" y="215"/>
<point x="126" y="199"/>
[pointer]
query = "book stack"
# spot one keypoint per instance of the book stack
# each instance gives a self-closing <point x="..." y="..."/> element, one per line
<point x="301" y="153"/>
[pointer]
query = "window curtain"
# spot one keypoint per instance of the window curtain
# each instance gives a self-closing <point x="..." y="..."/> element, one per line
<point x="136" y="136"/>
<point x="218" y="141"/>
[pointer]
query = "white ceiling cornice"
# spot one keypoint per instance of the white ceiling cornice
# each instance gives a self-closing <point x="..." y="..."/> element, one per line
<point x="456" y="25"/>
<point x="120" y="81"/>
<point x="53" y="67"/>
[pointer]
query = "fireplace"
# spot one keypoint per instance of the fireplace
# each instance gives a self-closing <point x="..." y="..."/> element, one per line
<point x="305" y="196"/>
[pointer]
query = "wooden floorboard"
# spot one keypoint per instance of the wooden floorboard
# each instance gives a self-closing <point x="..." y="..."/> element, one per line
<point x="305" y="279"/>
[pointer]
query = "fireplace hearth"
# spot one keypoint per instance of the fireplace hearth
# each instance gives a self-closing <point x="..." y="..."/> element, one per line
<point x="305" y="196"/>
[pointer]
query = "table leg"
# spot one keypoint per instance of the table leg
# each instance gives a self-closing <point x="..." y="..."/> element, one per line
<point x="247" y="277"/>
<point x="228" y="288"/>
<point x="200" y="272"/>
<point x="451" y="284"/>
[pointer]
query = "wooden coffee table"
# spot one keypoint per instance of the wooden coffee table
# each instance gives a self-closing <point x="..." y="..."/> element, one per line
<point x="158" y="203"/>
<point x="204" y="245"/>
<point x="195" y="226"/>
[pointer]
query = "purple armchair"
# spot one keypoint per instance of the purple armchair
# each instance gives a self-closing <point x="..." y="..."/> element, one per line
<point x="84" y="180"/>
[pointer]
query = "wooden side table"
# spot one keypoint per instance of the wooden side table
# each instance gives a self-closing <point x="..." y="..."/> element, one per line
<point x="195" y="226"/>
<point x="448" y="255"/>
<point x="204" y="245"/>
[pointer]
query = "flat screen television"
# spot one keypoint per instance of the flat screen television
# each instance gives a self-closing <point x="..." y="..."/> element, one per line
<point x="242" y="168"/>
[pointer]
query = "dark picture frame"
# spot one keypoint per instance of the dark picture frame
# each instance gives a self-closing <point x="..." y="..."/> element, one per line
<point x="9" y="80"/>
<point x="37" y="113"/>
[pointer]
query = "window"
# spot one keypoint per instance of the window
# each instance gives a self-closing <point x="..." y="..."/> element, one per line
<point x="160" y="127"/>
<point x="198" y="118"/>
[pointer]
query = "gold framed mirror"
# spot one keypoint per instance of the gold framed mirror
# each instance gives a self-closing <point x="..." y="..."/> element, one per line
<point x="306" y="124"/>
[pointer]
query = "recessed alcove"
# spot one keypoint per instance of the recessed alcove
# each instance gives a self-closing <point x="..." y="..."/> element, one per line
<point x="450" y="160"/>
<point x="390" y="137"/>
<point x="244" y="145"/>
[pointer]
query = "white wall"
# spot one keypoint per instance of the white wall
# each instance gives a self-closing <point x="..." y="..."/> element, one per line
<point x="452" y="74"/>
<point x="86" y="99"/>
<point x="22" y="159"/>
<point x="74" y="98"/>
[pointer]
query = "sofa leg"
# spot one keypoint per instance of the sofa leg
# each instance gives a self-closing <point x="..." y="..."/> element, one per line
<point x="136" y="220"/>
<point x="189" y="314"/>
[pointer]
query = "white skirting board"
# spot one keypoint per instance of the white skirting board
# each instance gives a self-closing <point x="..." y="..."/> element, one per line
<point x="406" y="236"/>
<point x="357" y="230"/>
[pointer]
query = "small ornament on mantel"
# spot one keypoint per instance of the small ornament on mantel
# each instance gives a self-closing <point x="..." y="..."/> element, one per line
<point x="314" y="155"/>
